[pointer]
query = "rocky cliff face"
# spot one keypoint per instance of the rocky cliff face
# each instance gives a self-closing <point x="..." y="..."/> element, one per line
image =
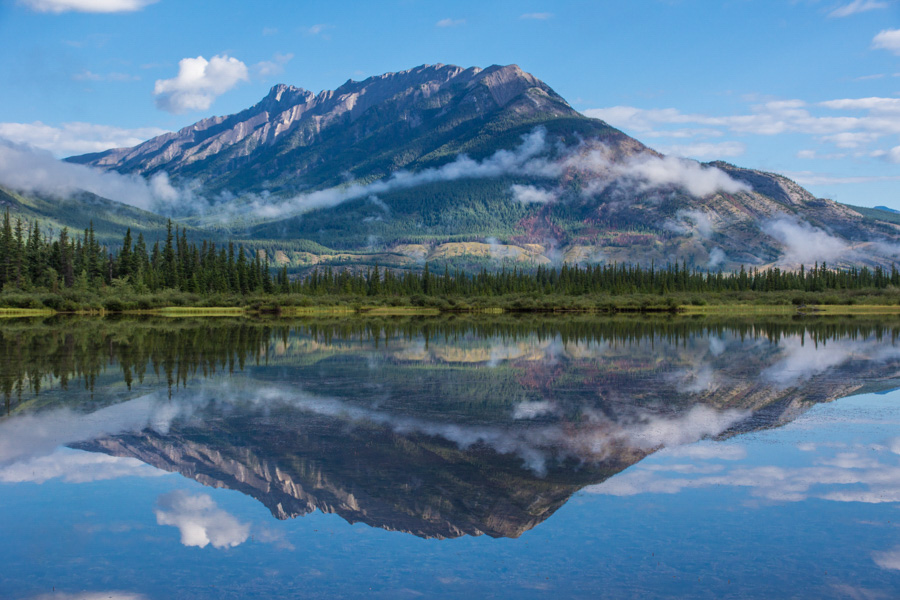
<point x="385" y="108"/>
<point x="416" y="484"/>
<point x="545" y="183"/>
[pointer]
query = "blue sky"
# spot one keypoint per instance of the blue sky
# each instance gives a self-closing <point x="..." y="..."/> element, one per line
<point x="808" y="88"/>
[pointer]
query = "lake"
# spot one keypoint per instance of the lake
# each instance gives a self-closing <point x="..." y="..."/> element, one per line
<point x="452" y="457"/>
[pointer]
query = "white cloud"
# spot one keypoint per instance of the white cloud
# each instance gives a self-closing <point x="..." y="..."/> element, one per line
<point x="866" y="475"/>
<point x="706" y="451"/>
<point x="198" y="83"/>
<point x="893" y="155"/>
<point x="846" y="123"/>
<point x="450" y="22"/>
<point x="856" y="7"/>
<point x="873" y="104"/>
<point x="537" y="16"/>
<point x="696" y="179"/>
<point x="852" y="139"/>
<point x="888" y="39"/>
<point x="642" y="172"/>
<point x="706" y="150"/>
<point x="75" y="466"/>
<point x="117" y="77"/>
<point x="889" y="560"/>
<point x="768" y="118"/>
<point x="717" y="257"/>
<point x="104" y="595"/>
<point x="682" y="133"/>
<point x="31" y="170"/>
<point x="200" y="521"/>
<point x="268" y="68"/>
<point x="30" y="436"/>
<point x="529" y="194"/>
<point x="815" y="155"/>
<point x="318" y="29"/>
<point x="803" y="243"/>
<point x="812" y="178"/>
<point x="89" y="6"/>
<point x="75" y="138"/>
<point x="533" y="409"/>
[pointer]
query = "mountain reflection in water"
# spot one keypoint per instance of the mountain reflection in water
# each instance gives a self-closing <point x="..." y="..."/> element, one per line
<point x="436" y="427"/>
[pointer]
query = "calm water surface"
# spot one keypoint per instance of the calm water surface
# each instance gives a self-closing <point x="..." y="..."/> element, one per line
<point x="458" y="458"/>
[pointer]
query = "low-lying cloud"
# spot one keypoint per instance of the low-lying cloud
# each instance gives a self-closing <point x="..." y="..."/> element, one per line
<point x="803" y="243"/>
<point x="27" y="169"/>
<point x="75" y="138"/>
<point x="532" y="158"/>
<point x="75" y="466"/>
<point x="529" y="194"/>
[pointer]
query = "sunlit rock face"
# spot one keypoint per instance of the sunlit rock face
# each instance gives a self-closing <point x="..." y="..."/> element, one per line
<point x="437" y="428"/>
<point x="409" y="163"/>
<point x="269" y="138"/>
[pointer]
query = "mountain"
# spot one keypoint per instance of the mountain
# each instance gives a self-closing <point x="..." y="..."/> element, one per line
<point x="478" y="166"/>
<point x="427" y="458"/>
<point x="438" y="427"/>
<point x="294" y="140"/>
<point x="81" y="210"/>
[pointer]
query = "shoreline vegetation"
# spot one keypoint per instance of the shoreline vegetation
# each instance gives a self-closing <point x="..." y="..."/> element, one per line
<point x="41" y="275"/>
<point x="359" y="310"/>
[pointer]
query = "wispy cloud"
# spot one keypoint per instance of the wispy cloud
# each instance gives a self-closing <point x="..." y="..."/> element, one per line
<point x="198" y="83"/>
<point x="888" y="39"/>
<point x="813" y="178"/>
<point x="319" y="29"/>
<point x="88" y="6"/>
<point x="104" y="595"/>
<point x="856" y="7"/>
<point x="641" y="172"/>
<point x="529" y="194"/>
<point x="75" y="466"/>
<point x="450" y="23"/>
<point x="860" y="124"/>
<point x="30" y="170"/>
<point x="537" y="16"/>
<point x="91" y="76"/>
<point x="269" y="68"/>
<point x="803" y="243"/>
<point x="705" y="150"/>
<point x="75" y="138"/>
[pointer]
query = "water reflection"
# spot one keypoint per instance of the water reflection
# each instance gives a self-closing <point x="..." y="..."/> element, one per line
<point x="439" y="428"/>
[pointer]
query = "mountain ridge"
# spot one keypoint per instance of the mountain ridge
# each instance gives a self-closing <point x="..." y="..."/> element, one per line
<point x="442" y="154"/>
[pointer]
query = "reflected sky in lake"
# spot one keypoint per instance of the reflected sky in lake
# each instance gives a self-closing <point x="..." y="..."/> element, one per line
<point x="450" y="458"/>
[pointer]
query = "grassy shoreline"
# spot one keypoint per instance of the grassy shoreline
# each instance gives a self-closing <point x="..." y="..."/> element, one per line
<point x="326" y="310"/>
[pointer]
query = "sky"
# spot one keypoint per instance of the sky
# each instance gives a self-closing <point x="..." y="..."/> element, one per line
<point x="806" y="88"/>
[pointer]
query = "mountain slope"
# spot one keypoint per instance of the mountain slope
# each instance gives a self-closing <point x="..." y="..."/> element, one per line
<point x="78" y="211"/>
<point x="293" y="139"/>
<point x="475" y="166"/>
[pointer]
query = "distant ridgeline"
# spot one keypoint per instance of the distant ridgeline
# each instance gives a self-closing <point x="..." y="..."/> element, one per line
<point x="31" y="262"/>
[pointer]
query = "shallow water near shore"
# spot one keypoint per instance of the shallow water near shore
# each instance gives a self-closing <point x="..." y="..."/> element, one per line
<point x="645" y="457"/>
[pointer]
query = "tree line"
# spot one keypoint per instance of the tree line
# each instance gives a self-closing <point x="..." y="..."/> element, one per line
<point x="31" y="260"/>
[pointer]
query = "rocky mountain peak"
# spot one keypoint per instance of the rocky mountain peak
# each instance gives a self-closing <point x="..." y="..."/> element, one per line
<point x="289" y="117"/>
<point x="283" y="90"/>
